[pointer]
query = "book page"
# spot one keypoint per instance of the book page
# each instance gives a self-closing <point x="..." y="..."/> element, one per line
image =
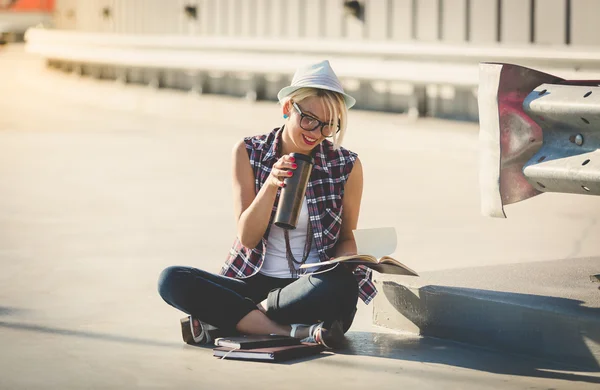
<point x="378" y="242"/>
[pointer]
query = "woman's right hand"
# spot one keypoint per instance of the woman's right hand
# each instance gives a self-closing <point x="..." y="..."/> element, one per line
<point x="284" y="167"/>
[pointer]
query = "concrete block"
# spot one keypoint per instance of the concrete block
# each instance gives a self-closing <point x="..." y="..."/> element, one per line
<point x="545" y="327"/>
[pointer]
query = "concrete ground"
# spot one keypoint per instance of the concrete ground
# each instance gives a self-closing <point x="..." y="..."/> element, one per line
<point x="102" y="186"/>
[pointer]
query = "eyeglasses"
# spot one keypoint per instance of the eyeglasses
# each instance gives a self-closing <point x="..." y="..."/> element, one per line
<point x="310" y="123"/>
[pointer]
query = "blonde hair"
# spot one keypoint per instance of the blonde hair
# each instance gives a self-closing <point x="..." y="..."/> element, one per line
<point x="333" y="103"/>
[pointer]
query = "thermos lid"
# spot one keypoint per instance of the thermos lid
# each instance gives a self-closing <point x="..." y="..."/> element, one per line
<point x="303" y="157"/>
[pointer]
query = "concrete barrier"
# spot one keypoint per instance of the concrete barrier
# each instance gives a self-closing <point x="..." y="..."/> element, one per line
<point x="502" y="307"/>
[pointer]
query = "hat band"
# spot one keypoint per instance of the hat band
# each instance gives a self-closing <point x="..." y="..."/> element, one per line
<point x="320" y="81"/>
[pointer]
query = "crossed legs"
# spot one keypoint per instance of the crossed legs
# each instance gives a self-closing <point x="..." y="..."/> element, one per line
<point x="231" y="304"/>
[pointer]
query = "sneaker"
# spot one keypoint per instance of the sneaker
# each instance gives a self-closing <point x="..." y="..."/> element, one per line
<point x="195" y="331"/>
<point x="330" y="338"/>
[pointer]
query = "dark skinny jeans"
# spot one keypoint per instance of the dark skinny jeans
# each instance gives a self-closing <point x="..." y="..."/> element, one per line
<point x="223" y="301"/>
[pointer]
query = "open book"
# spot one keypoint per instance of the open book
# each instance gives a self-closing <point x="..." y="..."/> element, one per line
<point x="379" y="243"/>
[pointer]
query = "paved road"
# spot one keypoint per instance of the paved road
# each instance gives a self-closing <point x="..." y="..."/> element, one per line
<point x="102" y="186"/>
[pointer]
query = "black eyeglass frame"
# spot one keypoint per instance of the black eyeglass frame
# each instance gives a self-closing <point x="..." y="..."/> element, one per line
<point x="319" y="123"/>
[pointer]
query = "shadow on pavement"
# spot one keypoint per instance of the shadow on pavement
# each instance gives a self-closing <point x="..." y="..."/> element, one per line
<point x="436" y="351"/>
<point x="7" y="311"/>
<point x="10" y="311"/>
<point x="546" y="327"/>
<point x="544" y="334"/>
<point x="85" y="334"/>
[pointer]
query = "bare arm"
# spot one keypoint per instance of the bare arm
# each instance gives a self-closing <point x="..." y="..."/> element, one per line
<point x="346" y="244"/>
<point x="253" y="211"/>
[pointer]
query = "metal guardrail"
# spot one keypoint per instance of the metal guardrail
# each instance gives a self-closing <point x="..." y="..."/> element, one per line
<point x="539" y="133"/>
<point x="251" y="61"/>
<point x="251" y="56"/>
<point x="569" y="159"/>
<point x="422" y="66"/>
<point x="562" y="57"/>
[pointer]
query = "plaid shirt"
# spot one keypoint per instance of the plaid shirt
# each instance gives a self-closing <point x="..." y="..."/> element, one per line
<point x="324" y="194"/>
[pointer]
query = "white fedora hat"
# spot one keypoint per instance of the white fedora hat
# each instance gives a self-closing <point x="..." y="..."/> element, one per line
<point x="319" y="75"/>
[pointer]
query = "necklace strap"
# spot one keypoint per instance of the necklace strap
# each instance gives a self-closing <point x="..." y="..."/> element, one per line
<point x="288" y="251"/>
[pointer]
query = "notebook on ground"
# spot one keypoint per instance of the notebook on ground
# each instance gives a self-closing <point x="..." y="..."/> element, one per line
<point x="255" y="341"/>
<point x="272" y="354"/>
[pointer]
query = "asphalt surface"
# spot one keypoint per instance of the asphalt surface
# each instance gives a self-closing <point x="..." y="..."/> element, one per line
<point x="102" y="186"/>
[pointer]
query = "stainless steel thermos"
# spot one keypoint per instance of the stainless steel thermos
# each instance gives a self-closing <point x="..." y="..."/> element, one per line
<point x="292" y="195"/>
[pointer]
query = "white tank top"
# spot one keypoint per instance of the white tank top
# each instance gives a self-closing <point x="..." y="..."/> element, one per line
<point x="275" y="263"/>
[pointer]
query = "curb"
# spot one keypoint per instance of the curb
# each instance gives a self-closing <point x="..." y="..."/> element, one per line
<point x="551" y="328"/>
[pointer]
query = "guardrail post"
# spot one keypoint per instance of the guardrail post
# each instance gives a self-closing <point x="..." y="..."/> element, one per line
<point x="252" y="88"/>
<point x="197" y="81"/>
<point x="65" y="66"/>
<point x="154" y="79"/>
<point x="78" y="70"/>
<point x="96" y="71"/>
<point x="417" y="102"/>
<point x="121" y="76"/>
